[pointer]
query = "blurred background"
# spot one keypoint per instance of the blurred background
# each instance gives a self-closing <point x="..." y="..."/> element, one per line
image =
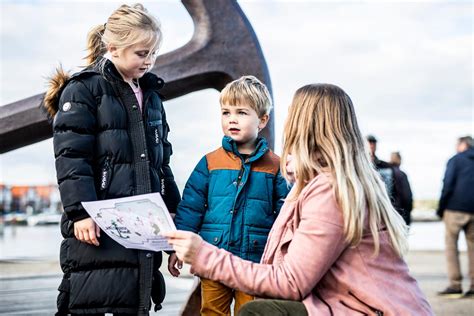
<point x="407" y="65"/>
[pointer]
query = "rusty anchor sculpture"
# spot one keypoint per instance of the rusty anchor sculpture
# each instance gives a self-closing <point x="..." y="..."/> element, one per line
<point x="223" y="48"/>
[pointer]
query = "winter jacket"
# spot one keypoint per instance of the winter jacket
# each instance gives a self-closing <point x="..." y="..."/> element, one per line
<point x="405" y="196"/>
<point x="308" y="259"/>
<point x="232" y="201"/>
<point x="458" y="184"/>
<point x="105" y="147"/>
<point x="392" y="181"/>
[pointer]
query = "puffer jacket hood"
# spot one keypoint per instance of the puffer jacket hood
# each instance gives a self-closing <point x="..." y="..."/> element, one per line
<point x="55" y="85"/>
<point x="470" y="153"/>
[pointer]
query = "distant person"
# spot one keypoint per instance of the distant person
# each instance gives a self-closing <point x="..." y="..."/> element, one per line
<point x="110" y="138"/>
<point x="235" y="193"/>
<point x="404" y="190"/>
<point x="337" y="245"/>
<point x="456" y="208"/>
<point x="389" y="177"/>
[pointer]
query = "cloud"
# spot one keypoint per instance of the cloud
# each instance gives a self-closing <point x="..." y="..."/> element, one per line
<point x="406" y="65"/>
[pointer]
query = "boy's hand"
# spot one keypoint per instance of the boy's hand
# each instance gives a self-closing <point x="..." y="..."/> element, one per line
<point x="172" y="260"/>
<point x="87" y="231"/>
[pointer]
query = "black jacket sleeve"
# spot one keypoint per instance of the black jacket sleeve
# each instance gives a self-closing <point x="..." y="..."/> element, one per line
<point x="169" y="189"/>
<point x="74" y="130"/>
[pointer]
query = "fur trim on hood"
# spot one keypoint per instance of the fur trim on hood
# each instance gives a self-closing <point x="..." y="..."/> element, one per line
<point x="55" y="85"/>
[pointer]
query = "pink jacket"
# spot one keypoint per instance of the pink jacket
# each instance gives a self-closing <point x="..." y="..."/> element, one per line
<point x="307" y="259"/>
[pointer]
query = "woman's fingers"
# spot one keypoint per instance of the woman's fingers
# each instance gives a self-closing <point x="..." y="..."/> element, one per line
<point x="176" y="234"/>
<point x="186" y="244"/>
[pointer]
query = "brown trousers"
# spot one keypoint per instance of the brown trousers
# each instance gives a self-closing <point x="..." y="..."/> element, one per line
<point x="456" y="221"/>
<point x="217" y="298"/>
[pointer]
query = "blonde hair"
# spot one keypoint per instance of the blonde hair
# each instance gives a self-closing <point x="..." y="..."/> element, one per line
<point x="127" y="26"/>
<point x="321" y="133"/>
<point x="247" y="90"/>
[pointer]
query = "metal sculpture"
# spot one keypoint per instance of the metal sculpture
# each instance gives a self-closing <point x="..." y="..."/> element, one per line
<point x="223" y="48"/>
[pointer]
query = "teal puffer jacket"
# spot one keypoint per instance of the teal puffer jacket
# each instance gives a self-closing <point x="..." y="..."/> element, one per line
<point x="232" y="201"/>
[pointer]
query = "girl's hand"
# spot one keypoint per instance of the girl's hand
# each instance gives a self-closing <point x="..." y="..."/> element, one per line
<point x="87" y="231"/>
<point x="186" y="244"/>
<point x="172" y="261"/>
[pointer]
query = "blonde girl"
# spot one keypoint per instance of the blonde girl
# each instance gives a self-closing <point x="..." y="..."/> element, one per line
<point x="110" y="141"/>
<point x="337" y="246"/>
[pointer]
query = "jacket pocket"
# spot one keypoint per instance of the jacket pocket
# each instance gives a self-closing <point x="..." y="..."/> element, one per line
<point x="367" y="309"/>
<point x="256" y="245"/>
<point x="257" y="241"/>
<point x="106" y="176"/>
<point x="213" y="237"/>
<point x="156" y="131"/>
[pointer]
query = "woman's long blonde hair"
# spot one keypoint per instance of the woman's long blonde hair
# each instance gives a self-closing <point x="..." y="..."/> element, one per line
<point x="321" y="133"/>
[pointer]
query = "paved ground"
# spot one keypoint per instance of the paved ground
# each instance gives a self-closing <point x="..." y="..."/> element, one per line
<point x="29" y="287"/>
<point x="429" y="268"/>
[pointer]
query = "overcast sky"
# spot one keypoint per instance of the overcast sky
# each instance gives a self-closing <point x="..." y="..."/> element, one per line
<point x="407" y="66"/>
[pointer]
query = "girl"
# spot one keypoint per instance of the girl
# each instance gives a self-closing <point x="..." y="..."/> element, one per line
<point x="110" y="141"/>
<point x="336" y="248"/>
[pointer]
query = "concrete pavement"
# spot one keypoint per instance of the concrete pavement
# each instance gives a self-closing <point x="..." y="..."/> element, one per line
<point x="29" y="287"/>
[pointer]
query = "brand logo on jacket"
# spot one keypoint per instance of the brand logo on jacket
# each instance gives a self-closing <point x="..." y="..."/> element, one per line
<point x="66" y="106"/>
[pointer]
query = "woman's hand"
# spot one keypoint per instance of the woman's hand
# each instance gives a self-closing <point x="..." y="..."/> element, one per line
<point x="186" y="244"/>
<point x="172" y="262"/>
<point x="87" y="231"/>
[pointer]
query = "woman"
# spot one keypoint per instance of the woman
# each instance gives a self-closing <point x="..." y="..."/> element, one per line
<point x="337" y="246"/>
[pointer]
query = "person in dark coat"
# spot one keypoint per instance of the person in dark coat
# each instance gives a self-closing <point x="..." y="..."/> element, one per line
<point x="390" y="177"/>
<point x="401" y="182"/>
<point x="110" y="138"/>
<point x="456" y="208"/>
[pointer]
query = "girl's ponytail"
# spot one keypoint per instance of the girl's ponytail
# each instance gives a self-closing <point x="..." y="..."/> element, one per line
<point x="95" y="46"/>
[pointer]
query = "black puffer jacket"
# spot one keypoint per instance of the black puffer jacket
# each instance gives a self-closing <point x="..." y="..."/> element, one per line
<point x="106" y="148"/>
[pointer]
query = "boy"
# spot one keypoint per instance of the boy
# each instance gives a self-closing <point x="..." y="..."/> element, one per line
<point x="235" y="193"/>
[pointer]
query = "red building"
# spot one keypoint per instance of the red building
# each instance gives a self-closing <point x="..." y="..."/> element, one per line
<point x="29" y="199"/>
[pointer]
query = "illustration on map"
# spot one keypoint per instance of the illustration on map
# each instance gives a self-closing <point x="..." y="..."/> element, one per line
<point x="134" y="222"/>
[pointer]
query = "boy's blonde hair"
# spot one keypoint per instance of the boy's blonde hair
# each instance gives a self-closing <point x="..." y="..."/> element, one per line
<point x="250" y="91"/>
<point x="322" y="134"/>
<point x="127" y="26"/>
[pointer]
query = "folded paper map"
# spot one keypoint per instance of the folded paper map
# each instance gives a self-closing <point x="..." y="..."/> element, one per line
<point x="135" y="221"/>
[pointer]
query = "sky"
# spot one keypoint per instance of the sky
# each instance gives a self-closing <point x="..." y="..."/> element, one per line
<point x="407" y="66"/>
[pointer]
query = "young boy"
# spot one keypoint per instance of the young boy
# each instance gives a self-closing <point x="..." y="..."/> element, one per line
<point x="235" y="193"/>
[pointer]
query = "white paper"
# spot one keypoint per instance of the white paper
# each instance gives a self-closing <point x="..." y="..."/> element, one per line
<point x="134" y="222"/>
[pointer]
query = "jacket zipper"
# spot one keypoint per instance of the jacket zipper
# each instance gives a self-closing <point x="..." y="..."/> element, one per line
<point x="232" y="211"/>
